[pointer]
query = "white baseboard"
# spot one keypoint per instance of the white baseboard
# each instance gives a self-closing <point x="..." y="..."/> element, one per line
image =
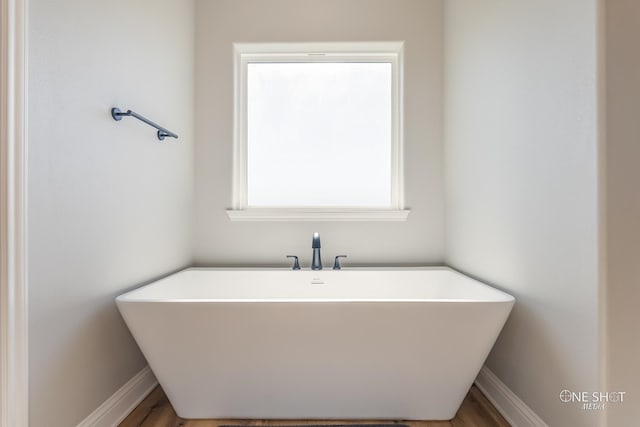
<point x="117" y="407"/>
<point x="514" y="410"/>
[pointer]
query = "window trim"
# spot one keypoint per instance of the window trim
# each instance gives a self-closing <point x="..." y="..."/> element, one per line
<point x="245" y="53"/>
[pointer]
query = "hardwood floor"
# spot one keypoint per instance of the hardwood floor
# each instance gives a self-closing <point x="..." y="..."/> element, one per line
<point x="156" y="411"/>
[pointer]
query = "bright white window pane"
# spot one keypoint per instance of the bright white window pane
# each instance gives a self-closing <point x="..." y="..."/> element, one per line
<point x="319" y="134"/>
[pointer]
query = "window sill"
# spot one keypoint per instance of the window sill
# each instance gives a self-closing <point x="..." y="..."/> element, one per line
<point x="317" y="214"/>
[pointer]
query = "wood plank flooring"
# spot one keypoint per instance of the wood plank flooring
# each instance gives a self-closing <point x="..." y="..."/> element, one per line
<point x="156" y="411"/>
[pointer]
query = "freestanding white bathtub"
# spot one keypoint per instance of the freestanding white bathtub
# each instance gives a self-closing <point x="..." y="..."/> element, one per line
<point x="348" y="344"/>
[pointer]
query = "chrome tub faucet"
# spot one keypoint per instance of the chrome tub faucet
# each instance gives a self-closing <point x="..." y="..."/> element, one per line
<point x="316" y="262"/>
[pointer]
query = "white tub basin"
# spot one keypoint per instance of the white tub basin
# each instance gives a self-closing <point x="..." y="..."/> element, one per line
<point x="349" y="344"/>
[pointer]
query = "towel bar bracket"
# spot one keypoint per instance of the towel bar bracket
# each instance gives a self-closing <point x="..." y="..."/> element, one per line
<point x="117" y="114"/>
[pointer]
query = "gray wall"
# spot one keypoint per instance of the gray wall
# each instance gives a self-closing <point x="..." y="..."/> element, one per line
<point x="623" y="207"/>
<point x="220" y="23"/>
<point x="521" y="185"/>
<point x="109" y="206"/>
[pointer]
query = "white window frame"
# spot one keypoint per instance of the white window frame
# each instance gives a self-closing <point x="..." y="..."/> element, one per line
<point x="246" y="53"/>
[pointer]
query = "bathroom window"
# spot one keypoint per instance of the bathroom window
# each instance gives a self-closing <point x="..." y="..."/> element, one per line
<point x="318" y="132"/>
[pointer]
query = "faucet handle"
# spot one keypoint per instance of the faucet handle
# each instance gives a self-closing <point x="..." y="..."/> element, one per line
<point x="296" y="264"/>
<point x="336" y="263"/>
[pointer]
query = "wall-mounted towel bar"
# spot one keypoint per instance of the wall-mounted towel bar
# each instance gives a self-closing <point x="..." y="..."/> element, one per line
<point x="117" y="115"/>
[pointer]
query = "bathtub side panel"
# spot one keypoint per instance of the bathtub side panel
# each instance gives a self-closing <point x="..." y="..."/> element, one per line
<point x="315" y="360"/>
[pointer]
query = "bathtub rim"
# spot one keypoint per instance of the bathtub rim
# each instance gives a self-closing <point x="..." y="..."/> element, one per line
<point x="501" y="297"/>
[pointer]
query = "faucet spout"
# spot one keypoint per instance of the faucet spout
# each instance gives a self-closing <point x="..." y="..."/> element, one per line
<point x="316" y="262"/>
